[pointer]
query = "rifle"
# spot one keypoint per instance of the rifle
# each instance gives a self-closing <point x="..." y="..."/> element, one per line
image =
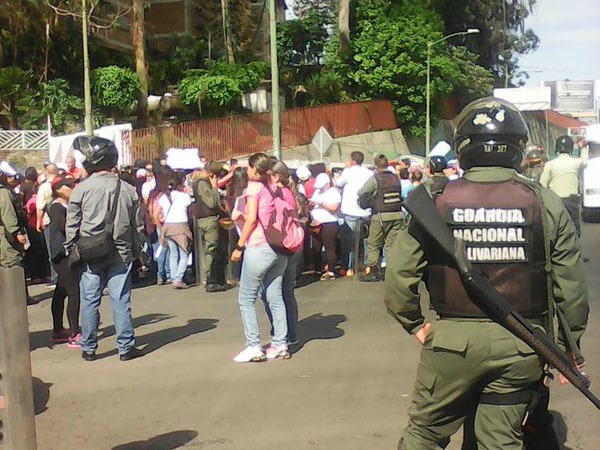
<point x="423" y="209"/>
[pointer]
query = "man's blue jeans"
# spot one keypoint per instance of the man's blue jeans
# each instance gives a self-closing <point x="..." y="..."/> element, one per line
<point x="262" y="268"/>
<point x="178" y="260"/>
<point x="348" y="237"/>
<point x="116" y="276"/>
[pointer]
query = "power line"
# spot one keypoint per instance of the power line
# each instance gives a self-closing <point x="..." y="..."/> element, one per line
<point x="546" y="69"/>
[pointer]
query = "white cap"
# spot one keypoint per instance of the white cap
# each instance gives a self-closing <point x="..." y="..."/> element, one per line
<point x="303" y="173"/>
<point x="6" y="168"/>
<point x="141" y="173"/>
<point x="322" y="180"/>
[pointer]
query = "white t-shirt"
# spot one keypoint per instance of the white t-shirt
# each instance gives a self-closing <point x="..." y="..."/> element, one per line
<point x="175" y="212"/>
<point x="147" y="188"/>
<point x="352" y="179"/>
<point x="330" y="197"/>
<point x="44" y="197"/>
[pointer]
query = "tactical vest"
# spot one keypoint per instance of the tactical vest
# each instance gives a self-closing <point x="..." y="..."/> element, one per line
<point x="501" y="226"/>
<point x="388" y="198"/>
<point x="201" y="210"/>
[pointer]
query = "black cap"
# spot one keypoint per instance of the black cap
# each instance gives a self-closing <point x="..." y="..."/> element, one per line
<point x="57" y="183"/>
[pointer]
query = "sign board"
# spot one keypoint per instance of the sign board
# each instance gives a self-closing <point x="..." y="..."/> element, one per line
<point x="572" y="95"/>
<point x="527" y="98"/>
<point x="322" y="141"/>
<point x="184" y="159"/>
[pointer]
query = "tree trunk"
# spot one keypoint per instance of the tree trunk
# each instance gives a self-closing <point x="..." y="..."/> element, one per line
<point x="141" y="68"/>
<point x="344" y="26"/>
<point x="227" y="31"/>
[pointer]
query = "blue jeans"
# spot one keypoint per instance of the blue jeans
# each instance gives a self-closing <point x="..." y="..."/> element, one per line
<point x="350" y="223"/>
<point x="162" y="262"/>
<point x="116" y="276"/>
<point x="289" y="297"/>
<point x="262" y="268"/>
<point x="178" y="260"/>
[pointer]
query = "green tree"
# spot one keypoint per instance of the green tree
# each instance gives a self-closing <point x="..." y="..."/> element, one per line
<point x="52" y="100"/>
<point x="114" y="89"/>
<point x="14" y="85"/>
<point x="388" y="54"/>
<point x="217" y="89"/>
<point x="503" y="33"/>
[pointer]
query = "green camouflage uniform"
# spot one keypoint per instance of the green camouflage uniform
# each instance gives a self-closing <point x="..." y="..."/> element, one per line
<point x="463" y="358"/>
<point x="11" y="252"/>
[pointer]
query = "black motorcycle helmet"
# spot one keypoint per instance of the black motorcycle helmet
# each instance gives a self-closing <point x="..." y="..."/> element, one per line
<point x="98" y="153"/>
<point x="437" y="164"/>
<point x="490" y="132"/>
<point x="564" y="144"/>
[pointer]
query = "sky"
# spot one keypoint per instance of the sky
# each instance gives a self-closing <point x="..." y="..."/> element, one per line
<point x="569" y="32"/>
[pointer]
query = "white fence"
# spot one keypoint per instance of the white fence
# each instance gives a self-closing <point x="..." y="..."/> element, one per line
<point x="59" y="147"/>
<point x="24" y="140"/>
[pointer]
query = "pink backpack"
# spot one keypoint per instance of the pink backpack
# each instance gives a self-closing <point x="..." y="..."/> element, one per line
<point x="284" y="231"/>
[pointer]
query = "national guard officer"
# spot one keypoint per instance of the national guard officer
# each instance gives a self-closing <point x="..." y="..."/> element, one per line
<point x="214" y="240"/>
<point x="382" y="193"/>
<point x="438" y="179"/>
<point x="562" y="176"/>
<point x="522" y="238"/>
<point x="12" y="225"/>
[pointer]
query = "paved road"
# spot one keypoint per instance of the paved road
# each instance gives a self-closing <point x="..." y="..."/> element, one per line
<point x="347" y="387"/>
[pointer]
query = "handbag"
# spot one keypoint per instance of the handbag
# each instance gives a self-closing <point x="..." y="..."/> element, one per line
<point x="100" y="246"/>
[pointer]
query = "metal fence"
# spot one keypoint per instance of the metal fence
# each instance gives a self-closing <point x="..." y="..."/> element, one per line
<point x="24" y="140"/>
<point x="228" y="137"/>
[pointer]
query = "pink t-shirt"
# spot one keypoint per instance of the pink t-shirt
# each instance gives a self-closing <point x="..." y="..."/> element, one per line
<point x="264" y="198"/>
<point x="287" y="195"/>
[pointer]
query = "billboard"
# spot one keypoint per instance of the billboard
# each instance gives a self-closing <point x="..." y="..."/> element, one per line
<point x="527" y="98"/>
<point x="576" y="95"/>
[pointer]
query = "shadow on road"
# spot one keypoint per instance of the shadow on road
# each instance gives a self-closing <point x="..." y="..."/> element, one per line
<point x="41" y="339"/>
<point x="560" y="426"/>
<point x="318" y="327"/>
<point x="41" y="395"/>
<point x="167" y="441"/>
<point x="153" y="341"/>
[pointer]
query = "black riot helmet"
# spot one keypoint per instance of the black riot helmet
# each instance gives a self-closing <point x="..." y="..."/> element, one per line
<point x="534" y="157"/>
<point x="437" y="164"/>
<point x="98" y="153"/>
<point x="490" y="132"/>
<point x="564" y="144"/>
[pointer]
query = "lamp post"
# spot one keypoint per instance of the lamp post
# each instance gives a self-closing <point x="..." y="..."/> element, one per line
<point x="428" y="100"/>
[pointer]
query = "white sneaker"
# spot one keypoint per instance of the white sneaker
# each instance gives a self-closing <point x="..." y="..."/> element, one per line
<point x="278" y="351"/>
<point x="250" y="354"/>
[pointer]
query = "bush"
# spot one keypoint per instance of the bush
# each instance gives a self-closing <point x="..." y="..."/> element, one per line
<point x="114" y="89"/>
<point x="219" y="87"/>
<point x="214" y="92"/>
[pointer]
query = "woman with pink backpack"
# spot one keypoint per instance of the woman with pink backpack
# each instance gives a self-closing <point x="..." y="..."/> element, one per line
<point x="262" y="266"/>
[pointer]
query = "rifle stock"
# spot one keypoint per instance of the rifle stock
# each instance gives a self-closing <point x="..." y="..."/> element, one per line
<point x="422" y="208"/>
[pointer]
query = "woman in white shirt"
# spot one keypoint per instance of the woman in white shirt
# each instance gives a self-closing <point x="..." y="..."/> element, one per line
<point x="175" y="229"/>
<point x="325" y="203"/>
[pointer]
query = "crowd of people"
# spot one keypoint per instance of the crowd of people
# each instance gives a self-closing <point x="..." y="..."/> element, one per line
<point x="261" y="224"/>
<point x="349" y="216"/>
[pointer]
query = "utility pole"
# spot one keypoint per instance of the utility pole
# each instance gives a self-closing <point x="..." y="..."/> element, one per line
<point x="275" y="111"/>
<point x="87" y="91"/>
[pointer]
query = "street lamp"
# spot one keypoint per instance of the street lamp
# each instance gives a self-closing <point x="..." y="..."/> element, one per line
<point x="428" y="118"/>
